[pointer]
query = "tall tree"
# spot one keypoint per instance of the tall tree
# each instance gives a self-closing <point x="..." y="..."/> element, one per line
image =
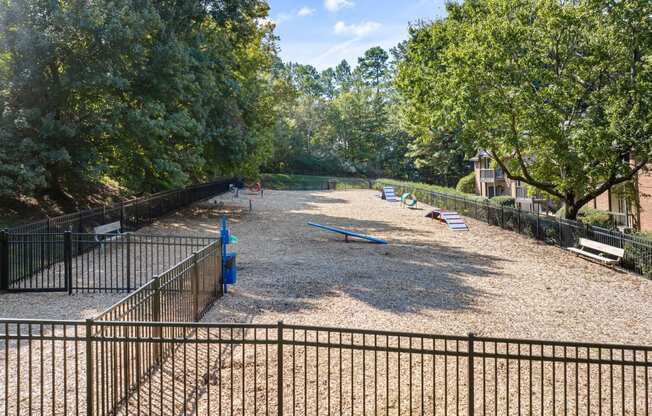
<point x="153" y="94"/>
<point x="437" y="149"/>
<point x="560" y="93"/>
<point x="328" y="86"/>
<point x="373" y="68"/>
<point x="343" y="76"/>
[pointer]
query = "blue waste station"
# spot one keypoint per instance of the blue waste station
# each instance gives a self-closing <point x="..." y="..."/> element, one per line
<point x="229" y="270"/>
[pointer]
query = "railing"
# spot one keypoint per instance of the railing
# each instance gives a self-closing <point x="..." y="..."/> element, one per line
<point x="549" y="229"/>
<point x="491" y="175"/>
<point x="91" y="263"/>
<point x="181" y="294"/>
<point x="131" y="214"/>
<point x="35" y="248"/>
<point x="102" y="368"/>
<point x="522" y="193"/>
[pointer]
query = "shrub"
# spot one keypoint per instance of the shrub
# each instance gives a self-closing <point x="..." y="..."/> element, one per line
<point x="590" y="216"/>
<point x="638" y="255"/>
<point x="467" y="184"/>
<point x="503" y="200"/>
<point x="595" y="218"/>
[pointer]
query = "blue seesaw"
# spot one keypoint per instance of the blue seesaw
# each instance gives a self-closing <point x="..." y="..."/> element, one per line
<point x="347" y="233"/>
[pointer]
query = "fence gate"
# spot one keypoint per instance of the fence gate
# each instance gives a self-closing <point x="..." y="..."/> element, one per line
<point x="35" y="262"/>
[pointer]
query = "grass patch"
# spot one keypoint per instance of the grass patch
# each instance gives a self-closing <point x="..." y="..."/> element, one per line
<point x="426" y="187"/>
<point x="282" y="181"/>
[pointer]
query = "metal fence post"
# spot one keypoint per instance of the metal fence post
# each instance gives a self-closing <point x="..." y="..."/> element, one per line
<point x="122" y="216"/>
<point x="220" y="270"/>
<point x="4" y="260"/>
<point x="538" y="236"/>
<point x="518" y="213"/>
<point x="156" y="316"/>
<point x="195" y="287"/>
<point x="89" y="367"/>
<point x="128" y="241"/>
<point x="279" y="365"/>
<point x="471" y="376"/>
<point x="67" y="260"/>
<point x="561" y="232"/>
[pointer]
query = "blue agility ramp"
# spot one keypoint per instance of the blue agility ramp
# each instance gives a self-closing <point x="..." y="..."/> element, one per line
<point x="347" y="233"/>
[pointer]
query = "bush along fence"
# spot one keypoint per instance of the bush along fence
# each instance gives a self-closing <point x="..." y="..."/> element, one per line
<point x="318" y="185"/>
<point x="63" y="253"/>
<point x="156" y="368"/>
<point x="549" y="229"/>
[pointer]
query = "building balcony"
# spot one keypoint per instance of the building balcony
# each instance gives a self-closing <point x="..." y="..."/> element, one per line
<point x="522" y="194"/>
<point x="491" y="175"/>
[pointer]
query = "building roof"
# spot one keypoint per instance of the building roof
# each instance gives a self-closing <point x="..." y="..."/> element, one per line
<point x="482" y="154"/>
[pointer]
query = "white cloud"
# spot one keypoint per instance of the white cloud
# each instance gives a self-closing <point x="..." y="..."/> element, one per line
<point x="359" y="30"/>
<point x="335" y="5"/>
<point x="305" y="11"/>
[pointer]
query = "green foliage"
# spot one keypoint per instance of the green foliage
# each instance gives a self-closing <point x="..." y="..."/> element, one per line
<point x="467" y="184"/>
<point x="152" y="94"/>
<point x="340" y="121"/>
<point x="437" y="147"/>
<point x="503" y="200"/>
<point x="595" y="217"/>
<point x="590" y="216"/>
<point x="379" y="183"/>
<point x="285" y="181"/>
<point x="559" y="92"/>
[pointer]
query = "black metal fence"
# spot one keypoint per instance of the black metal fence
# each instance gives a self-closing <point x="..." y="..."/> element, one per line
<point x="549" y="229"/>
<point x="43" y="255"/>
<point x="110" y="368"/>
<point x="91" y="263"/>
<point x="132" y="214"/>
<point x="182" y="293"/>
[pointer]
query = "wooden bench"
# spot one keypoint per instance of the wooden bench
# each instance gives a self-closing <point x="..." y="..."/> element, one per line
<point x="603" y="253"/>
<point x="110" y="228"/>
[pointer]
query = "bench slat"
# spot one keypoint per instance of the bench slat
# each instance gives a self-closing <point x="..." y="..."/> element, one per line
<point x="605" y="248"/>
<point x="107" y="228"/>
<point x="601" y="259"/>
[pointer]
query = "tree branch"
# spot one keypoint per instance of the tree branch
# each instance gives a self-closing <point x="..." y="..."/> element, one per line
<point x="611" y="182"/>
<point x="549" y="188"/>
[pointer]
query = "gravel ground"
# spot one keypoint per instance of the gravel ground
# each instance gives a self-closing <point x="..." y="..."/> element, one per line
<point x="428" y="280"/>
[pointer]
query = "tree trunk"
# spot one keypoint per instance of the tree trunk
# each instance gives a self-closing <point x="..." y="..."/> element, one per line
<point x="571" y="211"/>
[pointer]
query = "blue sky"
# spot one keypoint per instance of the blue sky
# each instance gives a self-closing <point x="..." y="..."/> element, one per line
<point x="323" y="32"/>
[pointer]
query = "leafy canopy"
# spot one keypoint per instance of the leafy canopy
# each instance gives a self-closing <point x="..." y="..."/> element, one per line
<point x="560" y="92"/>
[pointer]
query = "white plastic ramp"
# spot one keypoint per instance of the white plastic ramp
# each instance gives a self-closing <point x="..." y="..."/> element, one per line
<point x="454" y="221"/>
<point x="389" y="195"/>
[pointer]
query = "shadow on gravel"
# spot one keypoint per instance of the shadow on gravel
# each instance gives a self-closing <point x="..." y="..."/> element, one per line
<point x="297" y="267"/>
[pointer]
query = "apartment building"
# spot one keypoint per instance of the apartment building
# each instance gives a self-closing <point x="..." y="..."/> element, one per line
<point x="490" y="181"/>
<point x="635" y="214"/>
